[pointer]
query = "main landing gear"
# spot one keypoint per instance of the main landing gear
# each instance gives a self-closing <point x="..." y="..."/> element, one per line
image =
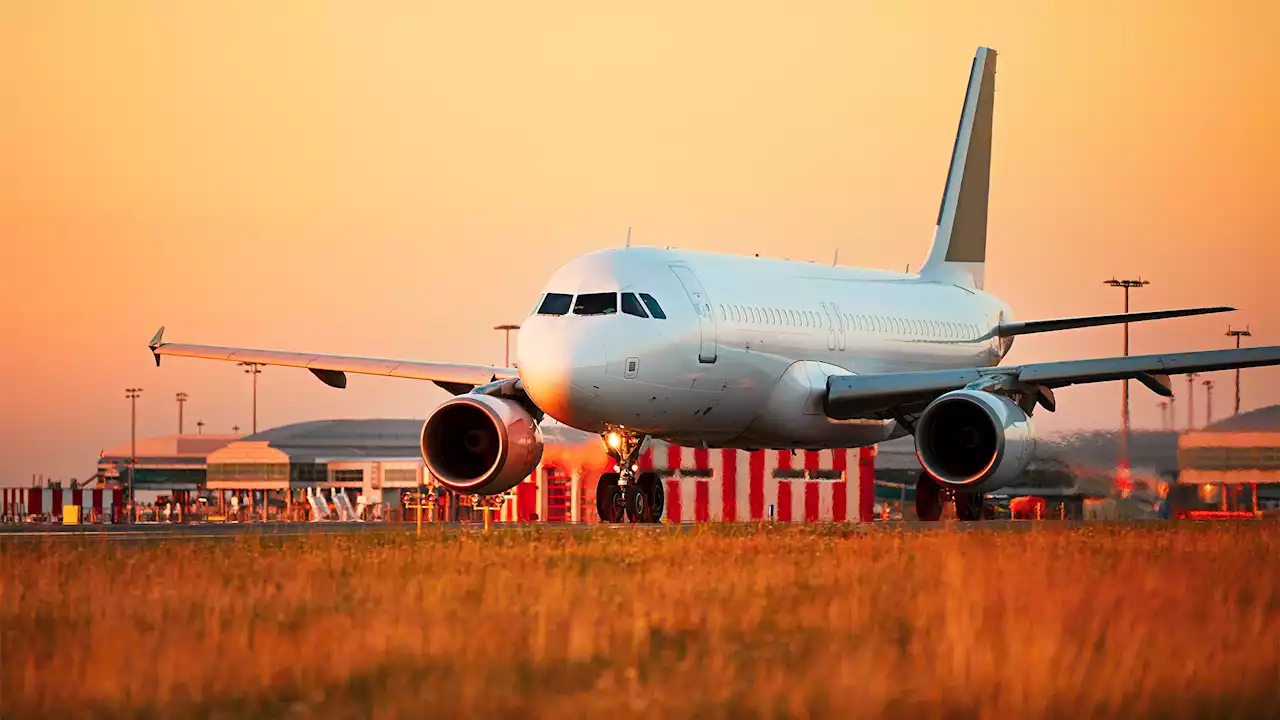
<point x="625" y="495"/>
<point x="930" y="496"/>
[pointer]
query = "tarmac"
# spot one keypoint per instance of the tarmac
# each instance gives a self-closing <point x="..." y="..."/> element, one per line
<point x="181" y="531"/>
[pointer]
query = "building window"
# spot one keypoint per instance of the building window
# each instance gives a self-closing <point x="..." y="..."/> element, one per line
<point x="400" y="477"/>
<point x="355" y="476"/>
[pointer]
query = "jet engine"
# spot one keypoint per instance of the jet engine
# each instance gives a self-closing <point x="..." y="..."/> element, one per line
<point x="481" y="444"/>
<point x="974" y="440"/>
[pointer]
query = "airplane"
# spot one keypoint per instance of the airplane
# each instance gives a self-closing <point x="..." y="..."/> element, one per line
<point x="727" y="351"/>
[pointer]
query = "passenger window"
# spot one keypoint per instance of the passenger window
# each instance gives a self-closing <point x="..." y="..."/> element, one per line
<point x="631" y="305"/>
<point x="654" y="308"/>
<point x="596" y="304"/>
<point x="555" y="304"/>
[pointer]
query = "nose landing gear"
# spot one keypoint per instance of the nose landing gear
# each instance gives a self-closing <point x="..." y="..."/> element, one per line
<point x="624" y="494"/>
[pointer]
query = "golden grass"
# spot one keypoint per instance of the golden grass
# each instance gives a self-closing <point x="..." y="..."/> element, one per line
<point x="1151" y="619"/>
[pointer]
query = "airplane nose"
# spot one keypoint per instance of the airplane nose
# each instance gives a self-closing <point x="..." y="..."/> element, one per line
<point x="562" y="371"/>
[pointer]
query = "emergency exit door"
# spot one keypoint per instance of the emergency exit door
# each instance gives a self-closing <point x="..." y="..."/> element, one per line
<point x="702" y="306"/>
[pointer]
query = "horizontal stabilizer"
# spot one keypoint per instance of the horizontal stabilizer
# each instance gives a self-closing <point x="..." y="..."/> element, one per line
<point x="1009" y="329"/>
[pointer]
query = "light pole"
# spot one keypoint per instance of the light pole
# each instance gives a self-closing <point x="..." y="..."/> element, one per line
<point x="1124" y="385"/>
<point x="199" y="427"/>
<point x="1208" y="402"/>
<point x="506" y="329"/>
<point x="182" y="400"/>
<point x="132" y="394"/>
<point x="235" y="429"/>
<point x="1191" y="400"/>
<point x="254" y="369"/>
<point x="1237" y="334"/>
<point x="1164" y="414"/>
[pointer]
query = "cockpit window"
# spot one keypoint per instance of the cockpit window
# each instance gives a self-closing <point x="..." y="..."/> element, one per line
<point x="654" y="308"/>
<point x="555" y="304"/>
<point x="631" y="305"/>
<point x="596" y="304"/>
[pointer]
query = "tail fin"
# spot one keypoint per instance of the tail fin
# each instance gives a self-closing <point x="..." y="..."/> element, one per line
<point x="959" y="249"/>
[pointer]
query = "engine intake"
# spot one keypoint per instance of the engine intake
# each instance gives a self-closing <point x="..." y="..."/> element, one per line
<point x="480" y="444"/>
<point x="974" y="440"/>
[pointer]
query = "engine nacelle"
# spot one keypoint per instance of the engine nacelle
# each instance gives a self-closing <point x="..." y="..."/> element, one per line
<point x="974" y="440"/>
<point x="480" y="444"/>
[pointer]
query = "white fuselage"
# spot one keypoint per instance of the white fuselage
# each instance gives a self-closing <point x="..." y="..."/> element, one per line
<point x="742" y="358"/>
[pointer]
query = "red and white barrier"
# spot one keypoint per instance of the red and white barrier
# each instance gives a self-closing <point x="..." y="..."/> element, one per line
<point x="19" y="503"/>
<point x="765" y="484"/>
<point x="712" y="485"/>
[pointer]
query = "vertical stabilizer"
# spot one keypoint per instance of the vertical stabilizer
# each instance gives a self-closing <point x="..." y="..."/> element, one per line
<point x="959" y="249"/>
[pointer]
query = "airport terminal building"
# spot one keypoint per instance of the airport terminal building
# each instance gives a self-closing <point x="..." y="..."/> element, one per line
<point x="374" y="458"/>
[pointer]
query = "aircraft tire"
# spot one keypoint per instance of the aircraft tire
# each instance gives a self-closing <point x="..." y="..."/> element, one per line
<point x="928" y="498"/>
<point x="655" y="496"/>
<point x="610" y="502"/>
<point x="970" y="506"/>
<point x="637" y="503"/>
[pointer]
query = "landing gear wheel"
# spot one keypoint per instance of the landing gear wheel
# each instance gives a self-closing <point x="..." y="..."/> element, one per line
<point x="610" y="502"/>
<point x="969" y="505"/>
<point x="637" y="504"/>
<point x="655" y="496"/>
<point x="928" y="498"/>
<point x="646" y="499"/>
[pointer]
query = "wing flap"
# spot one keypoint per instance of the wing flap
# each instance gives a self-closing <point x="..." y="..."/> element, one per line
<point x="331" y="368"/>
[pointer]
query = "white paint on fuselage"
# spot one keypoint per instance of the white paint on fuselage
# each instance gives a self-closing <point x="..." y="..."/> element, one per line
<point x="766" y="316"/>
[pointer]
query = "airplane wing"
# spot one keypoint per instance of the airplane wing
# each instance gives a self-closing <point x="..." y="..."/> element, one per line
<point x="1009" y="329"/>
<point x="332" y="369"/>
<point x="887" y="395"/>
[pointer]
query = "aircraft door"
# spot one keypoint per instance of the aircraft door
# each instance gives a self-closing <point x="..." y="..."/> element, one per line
<point x="702" y="306"/>
<point x="831" y="327"/>
<point x="842" y="329"/>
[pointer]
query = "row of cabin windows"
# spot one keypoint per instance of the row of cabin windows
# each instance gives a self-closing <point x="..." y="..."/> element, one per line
<point x="866" y="323"/>
<point x="642" y="305"/>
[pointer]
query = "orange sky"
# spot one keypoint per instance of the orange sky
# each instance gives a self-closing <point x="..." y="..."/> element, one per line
<point x="395" y="178"/>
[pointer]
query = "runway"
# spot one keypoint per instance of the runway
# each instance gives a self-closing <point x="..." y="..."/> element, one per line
<point x="190" y="531"/>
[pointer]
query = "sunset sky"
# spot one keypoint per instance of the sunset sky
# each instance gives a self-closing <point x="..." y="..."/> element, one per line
<point x="395" y="178"/>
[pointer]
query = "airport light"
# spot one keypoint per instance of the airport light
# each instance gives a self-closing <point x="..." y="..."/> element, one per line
<point x="1237" y="334"/>
<point x="506" y="329"/>
<point x="132" y="394"/>
<point x="1124" y="384"/>
<point x="182" y="400"/>
<point x="253" y="369"/>
<point x="1208" y="402"/>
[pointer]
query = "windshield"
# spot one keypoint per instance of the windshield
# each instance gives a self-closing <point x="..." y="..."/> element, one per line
<point x="596" y="304"/>
<point x="555" y="304"/>
<point x="631" y="305"/>
<point x="654" y="308"/>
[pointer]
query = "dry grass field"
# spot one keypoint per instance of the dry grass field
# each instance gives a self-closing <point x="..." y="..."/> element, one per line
<point x="1132" y="620"/>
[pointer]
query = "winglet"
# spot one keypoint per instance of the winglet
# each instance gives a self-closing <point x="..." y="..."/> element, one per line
<point x="156" y="342"/>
